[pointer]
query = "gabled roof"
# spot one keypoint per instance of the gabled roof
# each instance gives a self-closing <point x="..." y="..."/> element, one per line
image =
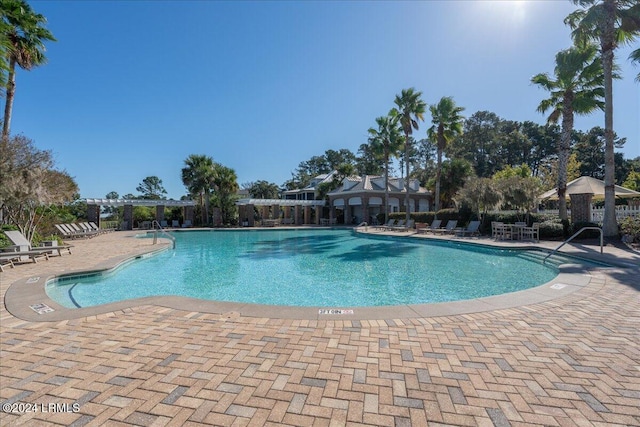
<point x="374" y="183"/>
<point x="315" y="182"/>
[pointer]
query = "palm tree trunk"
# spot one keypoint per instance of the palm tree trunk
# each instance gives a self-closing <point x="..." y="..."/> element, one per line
<point x="436" y="206"/>
<point x="406" y="179"/>
<point x="563" y="154"/>
<point x="206" y="208"/>
<point x="202" y="206"/>
<point x="11" y="90"/>
<point x="607" y="40"/>
<point x="386" y="185"/>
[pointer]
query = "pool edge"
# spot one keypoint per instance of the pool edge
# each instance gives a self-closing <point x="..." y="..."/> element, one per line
<point x="26" y="292"/>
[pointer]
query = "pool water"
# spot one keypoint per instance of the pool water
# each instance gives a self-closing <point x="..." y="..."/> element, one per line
<point x="325" y="268"/>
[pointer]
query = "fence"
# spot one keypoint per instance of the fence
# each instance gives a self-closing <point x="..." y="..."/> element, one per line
<point x="597" y="214"/>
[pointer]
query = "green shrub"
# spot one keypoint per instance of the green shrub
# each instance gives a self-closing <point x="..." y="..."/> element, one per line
<point x="630" y="227"/>
<point x="447" y="214"/>
<point x="551" y="229"/>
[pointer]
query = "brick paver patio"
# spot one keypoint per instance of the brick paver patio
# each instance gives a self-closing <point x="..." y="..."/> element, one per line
<point x="572" y="361"/>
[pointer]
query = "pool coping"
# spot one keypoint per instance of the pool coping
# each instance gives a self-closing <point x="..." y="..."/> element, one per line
<point x="26" y="298"/>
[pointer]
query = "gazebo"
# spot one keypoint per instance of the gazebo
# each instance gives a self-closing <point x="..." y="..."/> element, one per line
<point x="94" y="205"/>
<point x="582" y="191"/>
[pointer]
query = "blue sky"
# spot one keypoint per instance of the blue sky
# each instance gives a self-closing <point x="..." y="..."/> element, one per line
<point x="133" y="87"/>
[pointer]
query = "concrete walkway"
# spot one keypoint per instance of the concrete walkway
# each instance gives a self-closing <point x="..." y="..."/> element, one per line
<point x="571" y="360"/>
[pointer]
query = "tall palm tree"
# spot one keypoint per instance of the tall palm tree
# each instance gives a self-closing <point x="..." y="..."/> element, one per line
<point x="225" y="191"/>
<point x="386" y="142"/>
<point x="610" y="22"/>
<point x="198" y="176"/>
<point x="24" y="43"/>
<point x="576" y="88"/>
<point x="447" y="124"/>
<point x="410" y="109"/>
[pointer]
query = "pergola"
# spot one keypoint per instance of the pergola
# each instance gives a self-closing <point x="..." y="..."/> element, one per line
<point x="301" y="210"/>
<point x="94" y="205"/>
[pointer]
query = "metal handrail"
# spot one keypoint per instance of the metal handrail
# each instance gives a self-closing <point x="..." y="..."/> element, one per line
<point x="155" y="224"/>
<point x="571" y="238"/>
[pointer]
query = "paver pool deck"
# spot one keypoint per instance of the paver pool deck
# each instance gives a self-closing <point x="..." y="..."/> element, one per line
<point x="572" y="359"/>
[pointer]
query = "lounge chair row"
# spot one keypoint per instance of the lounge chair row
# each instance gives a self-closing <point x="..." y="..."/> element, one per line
<point x="22" y="251"/>
<point x="472" y="229"/>
<point x="392" y="225"/>
<point x="80" y="230"/>
<point x="436" y="228"/>
<point x="174" y="224"/>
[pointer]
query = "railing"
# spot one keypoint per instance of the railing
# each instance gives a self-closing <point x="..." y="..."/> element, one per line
<point x="156" y="226"/>
<point x="571" y="238"/>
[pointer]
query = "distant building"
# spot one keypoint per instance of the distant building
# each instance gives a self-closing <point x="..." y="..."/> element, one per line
<point x="310" y="192"/>
<point x="362" y="198"/>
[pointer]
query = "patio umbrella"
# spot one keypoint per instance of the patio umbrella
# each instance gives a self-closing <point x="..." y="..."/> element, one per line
<point x="588" y="185"/>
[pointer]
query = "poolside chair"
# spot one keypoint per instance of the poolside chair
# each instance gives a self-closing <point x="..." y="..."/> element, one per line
<point x="95" y="227"/>
<point x="434" y="225"/>
<point x="80" y="231"/>
<point x="22" y="244"/>
<point x="399" y="227"/>
<point x="499" y="231"/>
<point x="8" y="259"/>
<point x="67" y="232"/>
<point x="88" y="228"/>
<point x="532" y="232"/>
<point x="389" y="224"/>
<point x="175" y="223"/>
<point x="471" y="230"/>
<point x="448" y="229"/>
<point x="24" y="251"/>
<point x="13" y="257"/>
<point x="187" y="223"/>
<point x="399" y="224"/>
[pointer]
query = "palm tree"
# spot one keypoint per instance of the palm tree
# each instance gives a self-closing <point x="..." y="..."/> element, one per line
<point x="198" y="176"/>
<point x="225" y="190"/>
<point x="409" y="111"/>
<point x="576" y="89"/>
<point x="24" y="43"/>
<point x="635" y="57"/>
<point x="386" y="141"/>
<point x="610" y="22"/>
<point x="447" y="124"/>
<point x="263" y="190"/>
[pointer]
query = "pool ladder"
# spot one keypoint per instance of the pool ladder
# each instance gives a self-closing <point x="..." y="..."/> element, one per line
<point x="571" y="238"/>
<point x="156" y="226"/>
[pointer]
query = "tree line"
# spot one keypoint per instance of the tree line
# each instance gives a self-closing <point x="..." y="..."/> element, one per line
<point x="452" y="149"/>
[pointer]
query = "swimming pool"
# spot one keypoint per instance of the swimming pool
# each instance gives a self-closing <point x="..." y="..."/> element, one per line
<point x="310" y="268"/>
